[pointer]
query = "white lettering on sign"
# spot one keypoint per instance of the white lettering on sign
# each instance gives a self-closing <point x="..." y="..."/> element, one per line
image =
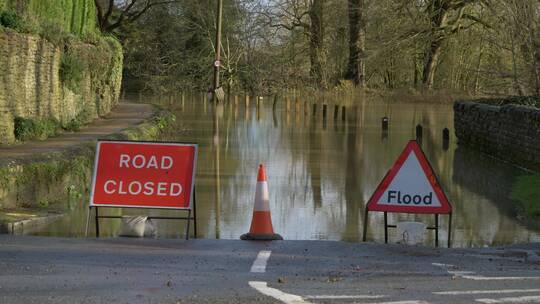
<point x="148" y="188"/>
<point x="140" y="161"/>
<point x="410" y="186"/>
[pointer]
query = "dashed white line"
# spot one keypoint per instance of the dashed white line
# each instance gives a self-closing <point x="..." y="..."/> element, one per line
<point x="259" y="265"/>
<point x="358" y="297"/>
<point x="496" y="291"/>
<point x="277" y="294"/>
<point x="483" y="278"/>
<point x="402" y="302"/>
<point x="527" y="299"/>
<point x="470" y="274"/>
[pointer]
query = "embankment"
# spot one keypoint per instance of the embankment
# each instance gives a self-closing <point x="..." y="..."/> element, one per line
<point x="508" y="129"/>
<point x="52" y="181"/>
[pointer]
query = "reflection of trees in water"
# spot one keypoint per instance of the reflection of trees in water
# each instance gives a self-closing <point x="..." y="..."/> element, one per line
<point x="485" y="213"/>
<point x="320" y="179"/>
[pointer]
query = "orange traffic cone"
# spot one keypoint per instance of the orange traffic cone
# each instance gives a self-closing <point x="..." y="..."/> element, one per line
<point x="261" y="223"/>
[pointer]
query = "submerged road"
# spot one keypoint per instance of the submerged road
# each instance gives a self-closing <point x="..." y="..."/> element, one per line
<point x="124" y="270"/>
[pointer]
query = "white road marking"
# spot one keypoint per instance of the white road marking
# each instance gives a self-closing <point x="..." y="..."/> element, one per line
<point x="483" y="278"/>
<point x="322" y="297"/>
<point x="259" y="265"/>
<point x="528" y="299"/>
<point x="469" y="274"/>
<point x="442" y="265"/>
<point x="277" y="294"/>
<point x="496" y="291"/>
<point x="402" y="302"/>
<point x="459" y="273"/>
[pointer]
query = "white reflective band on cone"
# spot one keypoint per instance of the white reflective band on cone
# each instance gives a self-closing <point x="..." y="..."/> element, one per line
<point x="262" y="197"/>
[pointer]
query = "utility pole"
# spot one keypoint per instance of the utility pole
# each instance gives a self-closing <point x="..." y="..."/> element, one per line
<point x="217" y="62"/>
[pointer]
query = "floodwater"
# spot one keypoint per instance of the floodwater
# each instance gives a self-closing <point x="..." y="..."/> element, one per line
<point x="322" y="171"/>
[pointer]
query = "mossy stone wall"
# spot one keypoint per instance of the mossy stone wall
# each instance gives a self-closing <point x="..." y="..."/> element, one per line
<point x="510" y="132"/>
<point x="31" y="86"/>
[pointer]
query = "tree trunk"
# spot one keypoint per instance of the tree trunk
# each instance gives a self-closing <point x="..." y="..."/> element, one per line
<point x="535" y="42"/>
<point x="439" y="14"/>
<point x="430" y="66"/>
<point x="316" y="39"/>
<point x="357" y="40"/>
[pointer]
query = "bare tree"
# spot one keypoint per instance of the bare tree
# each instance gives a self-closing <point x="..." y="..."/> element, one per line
<point x="357" y="40"/>
<point x="447" y="17"/>
<point x="113" y="13"/>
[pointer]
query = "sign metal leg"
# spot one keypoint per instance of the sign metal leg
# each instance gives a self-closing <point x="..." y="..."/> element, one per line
<point x="87" y="221"/>
<point x="97" y="222"/>
<point x="436" y="230"/>
<point x="365" y="225"/>
<point x="194" y="213"/>
<point x="187" y="225"/>
<point x="386" y="228"/>
<point x="449" y="229"/>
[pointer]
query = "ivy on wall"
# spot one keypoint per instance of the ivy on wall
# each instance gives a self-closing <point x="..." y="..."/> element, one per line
<point x="74" y="16"/>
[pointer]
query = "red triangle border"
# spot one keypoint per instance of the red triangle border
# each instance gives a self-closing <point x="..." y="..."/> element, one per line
<point x="412" y="147"/>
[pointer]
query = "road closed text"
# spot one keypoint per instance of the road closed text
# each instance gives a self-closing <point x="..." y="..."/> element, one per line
<point x="139" y="174"/>
<point x="146" y="188"/>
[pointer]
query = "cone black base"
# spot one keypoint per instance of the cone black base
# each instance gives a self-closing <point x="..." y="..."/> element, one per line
<point x="261" y="237"/>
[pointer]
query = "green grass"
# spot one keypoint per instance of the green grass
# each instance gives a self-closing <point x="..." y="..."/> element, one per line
<point x="526" y="190"/>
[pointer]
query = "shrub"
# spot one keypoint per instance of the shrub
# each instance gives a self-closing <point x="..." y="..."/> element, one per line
<point x="26" y="129"/>
<point x="11" y="20"/>
<point x="71" y="71"/>
<point x="527" y="191"/>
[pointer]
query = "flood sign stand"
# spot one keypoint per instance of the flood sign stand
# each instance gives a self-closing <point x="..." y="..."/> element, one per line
<point x="386" y="226"/>
<point x="188" y="218"/>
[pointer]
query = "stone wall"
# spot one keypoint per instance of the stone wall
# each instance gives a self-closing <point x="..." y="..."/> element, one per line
<point x="31" y="86"/>
<point x="510" y="131"/>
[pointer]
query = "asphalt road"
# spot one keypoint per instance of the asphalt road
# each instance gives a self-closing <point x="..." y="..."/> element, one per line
<point x="124" y="270"/>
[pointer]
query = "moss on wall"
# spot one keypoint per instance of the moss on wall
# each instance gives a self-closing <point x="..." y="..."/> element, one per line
<point x="74" y="16"/>
<point x="38" y="83"/>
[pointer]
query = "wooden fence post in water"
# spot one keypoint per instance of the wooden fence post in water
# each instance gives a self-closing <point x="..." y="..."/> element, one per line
<point x="445" y="138"/>
<point x="419" y="133"/>
<point x="324" y="111"/>
<point x="336" y="112"/>
<point x="343" y="113"/>
<point x="384" y="123"/>
<point x="288" y="105"/>
<point x="314" y="109"/>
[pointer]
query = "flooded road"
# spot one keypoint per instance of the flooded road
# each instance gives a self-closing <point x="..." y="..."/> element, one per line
<point x="321" y="172"/>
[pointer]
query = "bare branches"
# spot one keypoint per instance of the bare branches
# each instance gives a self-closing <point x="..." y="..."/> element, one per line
<point x="112" y="14"/>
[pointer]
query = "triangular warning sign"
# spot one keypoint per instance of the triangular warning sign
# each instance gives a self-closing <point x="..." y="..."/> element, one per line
<point x="410" y="186"/>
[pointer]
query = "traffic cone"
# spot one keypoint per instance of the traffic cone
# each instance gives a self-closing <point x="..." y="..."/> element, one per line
<point x="261" y="223"/>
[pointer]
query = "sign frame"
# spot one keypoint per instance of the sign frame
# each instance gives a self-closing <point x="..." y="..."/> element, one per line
<point x="414" y="147"/>
<point x="192" y="208"/>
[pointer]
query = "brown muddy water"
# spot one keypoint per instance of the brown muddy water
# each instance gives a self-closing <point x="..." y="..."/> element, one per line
<point x="321" y="172"/>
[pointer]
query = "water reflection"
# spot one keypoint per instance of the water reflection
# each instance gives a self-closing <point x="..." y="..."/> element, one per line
<point x="320" y="177"/>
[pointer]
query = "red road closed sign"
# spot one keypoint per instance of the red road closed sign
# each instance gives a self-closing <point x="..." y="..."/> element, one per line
<point x="143" y="175"/>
